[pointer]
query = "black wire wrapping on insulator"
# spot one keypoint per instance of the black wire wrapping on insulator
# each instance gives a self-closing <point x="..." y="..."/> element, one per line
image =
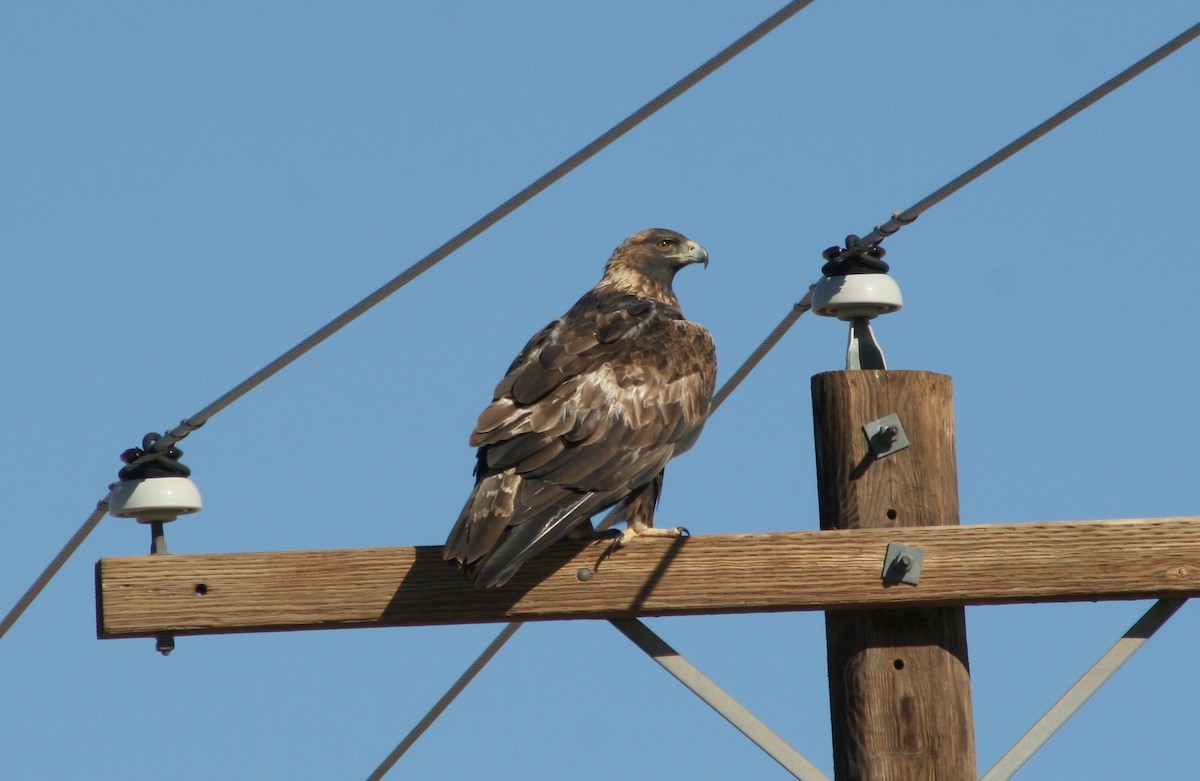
<point x="863" y="255"/>
<point x="858" y="257"/>
<point x="152" y="461"/>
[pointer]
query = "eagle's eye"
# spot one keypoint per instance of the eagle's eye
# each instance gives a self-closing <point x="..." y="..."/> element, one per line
<point x="664" y="243"/>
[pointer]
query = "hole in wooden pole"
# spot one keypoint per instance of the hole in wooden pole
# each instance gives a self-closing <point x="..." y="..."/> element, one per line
<point x="201" y="589"/>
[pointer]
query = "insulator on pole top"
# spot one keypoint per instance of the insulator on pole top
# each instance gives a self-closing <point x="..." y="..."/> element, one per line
<point x="154" y="487"/>
<point x="857" y="288"/>
<point x="151" y="499"/>
<point x="856" y="295"/>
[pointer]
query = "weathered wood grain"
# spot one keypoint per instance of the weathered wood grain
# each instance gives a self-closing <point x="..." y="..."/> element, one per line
<point x="899" y="686"/>
<point x="818" y="570"/>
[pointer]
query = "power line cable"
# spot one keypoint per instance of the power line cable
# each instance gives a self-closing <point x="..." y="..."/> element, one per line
<point x="54" y="566"/>
<point x="188" y="425"/>
<point x="760" y="352"/>
<point x="613" y="516"/>
<point x="488" y="220"/>
<point x="880" y="232"/>
<point x="736" y="379"/>
<point x="445" y="701"/>
<point x="900" y="219"/>
<point x="861" y="245"/>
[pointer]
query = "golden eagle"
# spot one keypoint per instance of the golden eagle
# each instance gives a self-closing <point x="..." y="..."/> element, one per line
<point x="589" y="414"/>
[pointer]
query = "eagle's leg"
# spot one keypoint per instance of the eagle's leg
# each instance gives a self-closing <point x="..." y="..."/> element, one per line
<point x="639" y="513"/>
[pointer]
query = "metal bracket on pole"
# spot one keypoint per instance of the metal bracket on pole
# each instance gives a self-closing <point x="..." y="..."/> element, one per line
<point x="858" y="297"/>
<point x="863" y="350"/>
<point x="886" y="435"/>
<point x="720" y="701"/>
<point x="902" y="563"/>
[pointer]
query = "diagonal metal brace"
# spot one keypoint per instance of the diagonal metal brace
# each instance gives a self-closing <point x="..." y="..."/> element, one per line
<point x="720" y="701"/>
<point x="1084" y="688"/>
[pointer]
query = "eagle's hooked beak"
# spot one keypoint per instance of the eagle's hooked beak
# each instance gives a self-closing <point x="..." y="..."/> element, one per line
<point x="696" y="254"/>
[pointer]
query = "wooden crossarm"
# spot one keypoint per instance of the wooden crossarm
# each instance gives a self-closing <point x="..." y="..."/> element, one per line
<point x="740" y="573"/>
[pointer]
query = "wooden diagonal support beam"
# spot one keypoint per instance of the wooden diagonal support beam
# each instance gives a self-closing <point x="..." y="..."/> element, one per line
<point x="147" y="596"/>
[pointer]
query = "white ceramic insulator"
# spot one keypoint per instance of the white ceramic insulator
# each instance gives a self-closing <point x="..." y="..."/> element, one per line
<point x="856" y="295"/>
<point x="154" y="499"/>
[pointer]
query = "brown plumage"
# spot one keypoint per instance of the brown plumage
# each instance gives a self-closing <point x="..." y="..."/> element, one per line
<point x="589" y="414"/>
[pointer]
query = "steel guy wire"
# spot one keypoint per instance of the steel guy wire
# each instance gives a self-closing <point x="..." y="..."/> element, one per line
<point x="188" y="425"/>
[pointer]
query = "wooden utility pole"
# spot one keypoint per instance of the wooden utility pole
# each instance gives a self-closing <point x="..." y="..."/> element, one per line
<point x="899" y="682"/>
<point x="898" y="679"/>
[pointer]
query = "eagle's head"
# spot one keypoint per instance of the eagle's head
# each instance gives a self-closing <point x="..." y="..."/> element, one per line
<point x="646" y="262"/>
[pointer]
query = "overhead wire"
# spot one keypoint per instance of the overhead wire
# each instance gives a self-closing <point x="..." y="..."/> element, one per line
<point x="488" y="220"/>
<point x="899" y="219"/>
<point x="736" y="379"/>
<point x="902" y="218"/>
<point x="718" y="398"/>
<point x="614" y="516"/>
<point x="54" y="566"/>
<point x="188" y="425"/>
<point x="445" y="701"/>
<point x="760" y="352"/>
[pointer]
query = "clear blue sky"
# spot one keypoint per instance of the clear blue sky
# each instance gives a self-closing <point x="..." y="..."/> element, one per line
<point x="189" y="190"/>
